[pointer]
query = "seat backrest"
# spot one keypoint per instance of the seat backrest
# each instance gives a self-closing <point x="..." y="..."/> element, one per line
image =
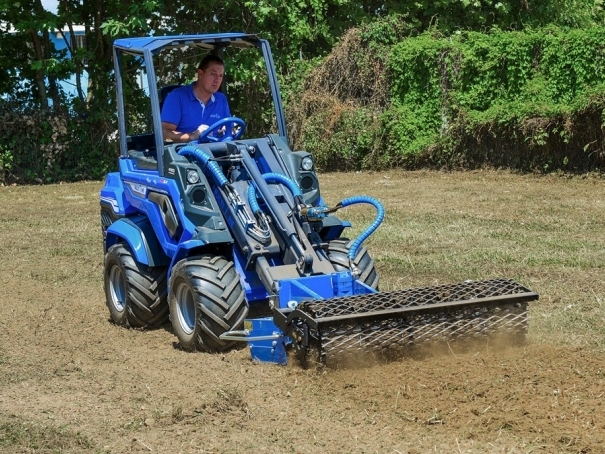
<point x="164" y="92"/>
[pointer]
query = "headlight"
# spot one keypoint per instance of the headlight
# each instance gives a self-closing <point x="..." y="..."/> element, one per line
<point x="307" y="163"/>
<point x="193" y="177"/>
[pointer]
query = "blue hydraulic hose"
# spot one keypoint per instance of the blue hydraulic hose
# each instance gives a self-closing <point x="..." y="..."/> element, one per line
<point x="190" y="150"/>
<point x="252" y="199"/>
<point x="367" y="232"/>
<point x="288" y="182"/>
<point x="272" y="178"/>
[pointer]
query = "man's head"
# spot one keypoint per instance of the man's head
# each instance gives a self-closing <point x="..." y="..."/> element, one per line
<point x="210" y="73"/>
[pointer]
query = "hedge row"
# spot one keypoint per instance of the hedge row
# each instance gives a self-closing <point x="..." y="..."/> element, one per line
<point x="530" y="100"/>
<point x="46" y="145"/>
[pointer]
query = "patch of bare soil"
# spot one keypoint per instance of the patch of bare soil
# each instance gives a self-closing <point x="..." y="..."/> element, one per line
<point x="70" y="381"/>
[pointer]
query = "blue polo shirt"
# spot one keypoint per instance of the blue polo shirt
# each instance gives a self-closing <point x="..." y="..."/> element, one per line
<point x="184" y="110"/>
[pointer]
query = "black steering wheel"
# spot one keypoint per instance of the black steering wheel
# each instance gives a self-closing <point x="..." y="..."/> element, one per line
<point x="228" y="135"/>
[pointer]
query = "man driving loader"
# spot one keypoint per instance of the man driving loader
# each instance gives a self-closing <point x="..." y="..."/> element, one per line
<point x="188" y="111"/>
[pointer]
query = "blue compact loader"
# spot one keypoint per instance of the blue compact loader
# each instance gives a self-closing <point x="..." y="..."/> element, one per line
<point x="230" y="239"/>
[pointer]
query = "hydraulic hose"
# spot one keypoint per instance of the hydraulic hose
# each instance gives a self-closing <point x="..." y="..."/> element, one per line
<point x="190" y="150"/>
<point x="288" y="182"/>
<point x="252" y="199"/>
<point x="273" y="178"/>
<point x="262" y="218"/>
<point x="368" y="231"/>
<point x="259" y="233"/>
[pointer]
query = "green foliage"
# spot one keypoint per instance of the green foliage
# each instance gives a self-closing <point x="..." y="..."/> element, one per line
<point x="343" y="138"/>
<point x="305" y="29"/>
<point x="444" y="85"/>
<point x="52" y="145"/>
<point x="482" y="15"/>
<point x="6" y="163"/>
<point x="134" y="22"/>
<point x="292" y="78"/>
<point x="416" y="70"/>
<point x="387" y="31"/>
<point x="549" y="66"/>
<point x="506" y="98"/>
<point x="339" y="102"/>
<point x="410" y="132"/>
<point x="531" y="100"/>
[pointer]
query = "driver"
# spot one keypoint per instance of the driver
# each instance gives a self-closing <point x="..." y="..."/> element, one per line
<point x="189" y="110"/>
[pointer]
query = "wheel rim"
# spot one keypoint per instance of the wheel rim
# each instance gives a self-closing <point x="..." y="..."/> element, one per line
<point x="117" y="288"/>
<point x="185" y="304"/>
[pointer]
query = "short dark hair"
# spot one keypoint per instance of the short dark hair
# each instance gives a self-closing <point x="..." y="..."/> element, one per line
<point x="210" y="59"/>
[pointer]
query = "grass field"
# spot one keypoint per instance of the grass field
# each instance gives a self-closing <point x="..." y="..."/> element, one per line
<point x="546" y="232"/>
<point x="70" y="381"/>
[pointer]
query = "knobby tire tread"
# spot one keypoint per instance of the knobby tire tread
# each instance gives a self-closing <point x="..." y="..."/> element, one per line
<point x="220" y="299"/>
<point x="338" y="251"/>
<point x="146" y="302"/>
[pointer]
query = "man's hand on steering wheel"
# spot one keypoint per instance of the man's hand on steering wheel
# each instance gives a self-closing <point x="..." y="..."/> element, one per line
<point x="211" y="133"/>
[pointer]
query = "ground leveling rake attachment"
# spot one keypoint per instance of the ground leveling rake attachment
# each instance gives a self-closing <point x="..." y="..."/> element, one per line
<point x="390" y="322"/>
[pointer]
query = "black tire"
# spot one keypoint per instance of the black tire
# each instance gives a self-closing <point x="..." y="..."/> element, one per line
<point x="206" y="300"/>
<point x="135" y="294"/>
<point x="338" y="251"/>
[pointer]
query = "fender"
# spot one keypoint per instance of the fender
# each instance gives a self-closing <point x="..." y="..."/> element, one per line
<point x="182" y="251"/>
<point x="139" y="235"/>
<point x="184" y="248"/>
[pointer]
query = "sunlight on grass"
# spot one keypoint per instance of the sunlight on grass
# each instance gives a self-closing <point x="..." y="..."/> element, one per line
<point x="548" y="233"/>
<point x="17" y="435"/>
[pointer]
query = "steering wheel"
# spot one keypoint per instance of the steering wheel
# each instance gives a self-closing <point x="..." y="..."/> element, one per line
<point x="205" y="137"/>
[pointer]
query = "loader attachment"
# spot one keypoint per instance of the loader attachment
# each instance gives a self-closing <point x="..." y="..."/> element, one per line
<point x="391" y="322"/>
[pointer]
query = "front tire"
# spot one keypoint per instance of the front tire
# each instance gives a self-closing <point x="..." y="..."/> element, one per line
<point x="338" y="251"/>
<point x="135" y="294"/>
<point x="206" y="300"/>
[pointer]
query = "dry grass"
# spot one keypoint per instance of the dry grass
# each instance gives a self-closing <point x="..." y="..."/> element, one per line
<point x="71" y="381"/>
<point x="546" y="232"/>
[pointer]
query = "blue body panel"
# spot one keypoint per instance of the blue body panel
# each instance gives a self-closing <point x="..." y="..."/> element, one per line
<point x="139" y="235"/>
<point x="253" y="286"/>
<point x="270" y="350"/>
<point x="291" y="293"/>
<point x="126" y="192"/>
<point x="320" y="287"/>
<point x="112" y="194"/>
<point x="136" y="186"/>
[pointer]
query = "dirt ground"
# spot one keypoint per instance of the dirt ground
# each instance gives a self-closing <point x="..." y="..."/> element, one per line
<point x="70" y="381"/>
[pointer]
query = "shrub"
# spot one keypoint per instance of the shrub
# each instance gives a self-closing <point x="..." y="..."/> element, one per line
<point x="530" y="100"/>
<point x="53" y="145"/>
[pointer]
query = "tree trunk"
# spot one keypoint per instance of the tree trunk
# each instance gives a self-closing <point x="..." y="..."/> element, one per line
<point x="53" y="90"/>
<point x="39" y="56"/>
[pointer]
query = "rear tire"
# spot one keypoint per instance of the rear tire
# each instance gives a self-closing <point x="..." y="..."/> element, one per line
<point x="135" y="294"/>
<point x="338" y="251"/>
<point x="206" y="300"/>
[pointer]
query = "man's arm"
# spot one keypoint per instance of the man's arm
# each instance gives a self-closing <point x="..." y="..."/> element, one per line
<point x="171" y="134"/>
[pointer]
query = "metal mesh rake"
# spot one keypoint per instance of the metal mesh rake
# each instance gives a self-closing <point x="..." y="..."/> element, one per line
<point x="382" y="321"/>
